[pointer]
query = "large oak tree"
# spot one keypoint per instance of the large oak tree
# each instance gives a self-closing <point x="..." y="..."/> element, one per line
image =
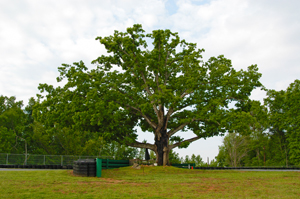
<point x="163" y="87"/>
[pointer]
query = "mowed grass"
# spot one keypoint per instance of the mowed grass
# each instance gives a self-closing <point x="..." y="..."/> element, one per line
<point x="150" y="182"/>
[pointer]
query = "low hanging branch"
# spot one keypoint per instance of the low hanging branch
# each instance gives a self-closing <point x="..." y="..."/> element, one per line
<point x="142" y="145"/>
<point x="179" y="143"/>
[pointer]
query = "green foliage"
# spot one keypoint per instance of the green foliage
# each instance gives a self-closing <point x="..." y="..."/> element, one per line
<point x="12" y="125"/>
<point x="193" y="159"/>
<point x="163" y="88"/>
<point x="222" y="157"/>
<point x="236" y="146"/>
<point x="292" y="121"/>
<point x="284" y="121"/>
<point x="141" y="154"/>
<point x="174" y="157"/>
<point x="118" y="151"/>
<point x="7" y="138"/>
<point x="152" y="155"/>
<point x="273" y="136"/>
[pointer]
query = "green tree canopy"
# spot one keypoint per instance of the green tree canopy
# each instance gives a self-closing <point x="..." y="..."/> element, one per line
<point x="274" y="131"/>
<point x="163" y="87"/>
<point x="285" y="117"/>
<point x="12" y="125"/>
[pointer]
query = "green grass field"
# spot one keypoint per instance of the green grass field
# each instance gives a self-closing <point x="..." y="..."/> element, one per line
<point x="150" y="182"/>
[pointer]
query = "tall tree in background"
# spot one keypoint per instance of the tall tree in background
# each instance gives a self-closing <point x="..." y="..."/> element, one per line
<point x="194" y="159"/>
<point x="163" y="87"/>
<point x="236" y="147"/>
<point x="277" y="107"/>
<point x="293" y="121"/>
<point x="12" y="126"/>
<point x="274" y="134"/>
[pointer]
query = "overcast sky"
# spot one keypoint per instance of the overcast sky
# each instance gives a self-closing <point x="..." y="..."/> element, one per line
<point x="37" y="36"/>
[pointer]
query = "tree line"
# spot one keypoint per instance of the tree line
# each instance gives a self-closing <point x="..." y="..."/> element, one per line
<point x="272" y="139"/>
<point x="274" y="136"/>
<point x="21" y="133"/>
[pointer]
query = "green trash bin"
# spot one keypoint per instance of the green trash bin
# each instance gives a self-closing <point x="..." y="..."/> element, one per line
<point x="98" y="167"/>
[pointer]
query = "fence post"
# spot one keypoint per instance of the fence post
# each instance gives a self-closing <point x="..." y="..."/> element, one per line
<point x="106" y="163"/>
<point x="62" y="159"/>
<point x="7" y="159"/>
<point x="26" y="158"/>
<point x="44" y="159"/>
<point x="98" y="167"/>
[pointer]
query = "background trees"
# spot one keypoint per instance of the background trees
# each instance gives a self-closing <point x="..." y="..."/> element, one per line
<point x="271" y="140"/>
<point x="274" y="137"/>
<point x="292" y="121"/>
<point x="13" y="123"/>
<point x="20" y="133"/>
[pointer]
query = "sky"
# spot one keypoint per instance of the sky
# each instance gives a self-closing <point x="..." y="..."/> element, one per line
<point x="36" y="37"/>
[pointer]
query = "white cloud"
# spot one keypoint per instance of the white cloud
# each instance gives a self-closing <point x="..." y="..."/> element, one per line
<point x="247" y="32"/>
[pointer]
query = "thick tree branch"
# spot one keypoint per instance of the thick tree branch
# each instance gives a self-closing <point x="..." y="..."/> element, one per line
<point x="170" y="111"/>
<point x="145" y="82"/>
<point x="173" y="131"/>
<point x="188" y="140"/>
<point x="142" y="114"/>
<point x="142" y="145"/>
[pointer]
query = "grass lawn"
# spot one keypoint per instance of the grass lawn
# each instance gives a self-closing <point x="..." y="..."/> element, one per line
<point x="150" y="182"/>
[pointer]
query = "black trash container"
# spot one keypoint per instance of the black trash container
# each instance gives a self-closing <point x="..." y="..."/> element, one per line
<point x="85" y="167"/>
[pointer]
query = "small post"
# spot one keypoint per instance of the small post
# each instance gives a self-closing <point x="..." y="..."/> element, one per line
<point x="106" y="163"/>
<point x="7" y="159"/>
<point x="61" y="161"/>
<point x="98" y="167"/>
<point x="207" y="161"/>
<point x="264" y="156"/>
<point x="25" y="151"/>
<point x="26" y="158"/>
<point x="165" y="156"/>
<point x="44" y="160"/>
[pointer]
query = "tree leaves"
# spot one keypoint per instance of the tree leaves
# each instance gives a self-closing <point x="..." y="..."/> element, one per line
<point x="157" y="81"/>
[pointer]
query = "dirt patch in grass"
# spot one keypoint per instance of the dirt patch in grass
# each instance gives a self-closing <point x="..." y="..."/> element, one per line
<point x="107" y="181"/>
<point x="111" y="181"/>
<point x="70" y="172"/>
<point x="103" y="180"/>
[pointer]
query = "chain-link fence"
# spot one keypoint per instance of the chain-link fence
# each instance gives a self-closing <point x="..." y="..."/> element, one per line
<point x="32" y="159"/>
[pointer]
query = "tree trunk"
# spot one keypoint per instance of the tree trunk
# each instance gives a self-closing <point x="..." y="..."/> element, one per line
<point x="162" y="147"/>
